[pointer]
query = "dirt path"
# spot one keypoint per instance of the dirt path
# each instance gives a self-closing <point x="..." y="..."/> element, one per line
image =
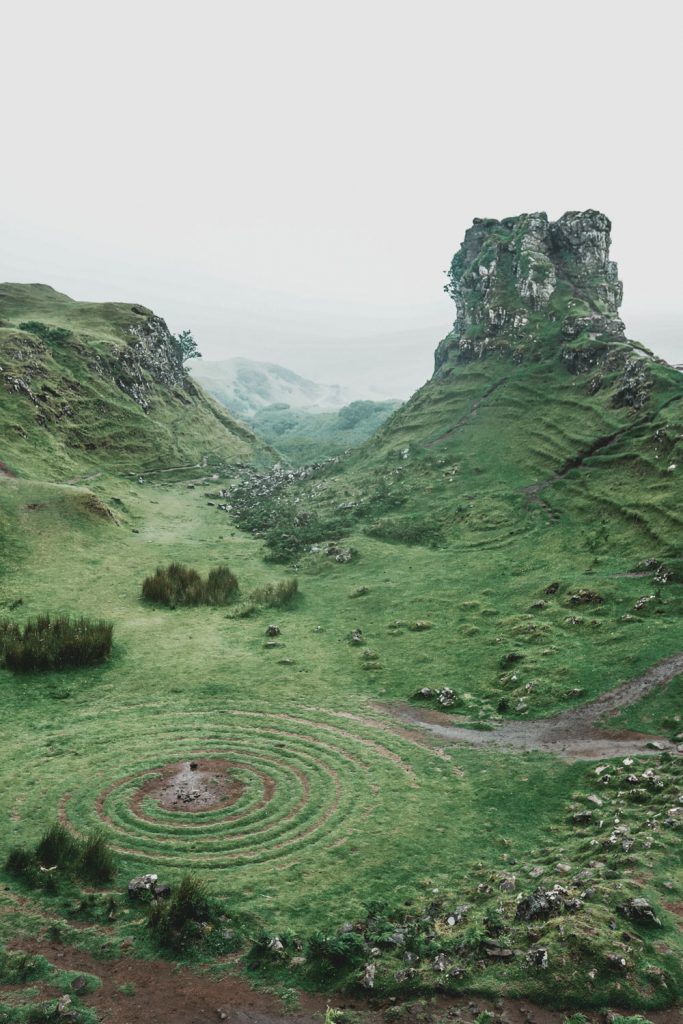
<point x="571" y="734"/>
<point x="159" y="992"/>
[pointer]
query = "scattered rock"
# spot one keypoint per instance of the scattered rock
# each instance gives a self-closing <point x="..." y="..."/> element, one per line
<point x="538" y="957"/>
<point x="368" y="978"/>
<point x="639" y="909"/>
<point x="272" y="630"/>
<point x="141" y="884"/>
<point x="584" y="596"/>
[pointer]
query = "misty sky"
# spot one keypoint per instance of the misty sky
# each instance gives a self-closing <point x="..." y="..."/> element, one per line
<point x="290" y="179"/>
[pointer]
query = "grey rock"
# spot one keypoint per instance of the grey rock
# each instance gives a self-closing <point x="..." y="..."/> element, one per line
<point x="141" y="884"/>
<point x="639" y="909"/>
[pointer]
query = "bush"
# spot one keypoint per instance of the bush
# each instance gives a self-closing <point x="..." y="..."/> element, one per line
<point x="91" y="860"/>
<point x="45" y="331"/>
<point x="179" y="585"/>
<point x="181" y="922"/>
<point x="47" y="644"/>
<point x="58" y="847"/>
<point x="331" y="954"/>
<point x="97" y="862"/>
<point x="275" y="595"/>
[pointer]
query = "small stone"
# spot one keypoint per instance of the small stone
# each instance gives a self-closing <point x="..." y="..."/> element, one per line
<point x="272" y="630"/>
<point x="368" y="978"/>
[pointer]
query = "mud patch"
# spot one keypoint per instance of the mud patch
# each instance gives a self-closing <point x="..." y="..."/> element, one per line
<point x="193" y="786"/>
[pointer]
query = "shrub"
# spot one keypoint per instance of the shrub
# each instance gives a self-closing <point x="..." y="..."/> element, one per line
<point x="45" y="331"/>
<point x="179" y="585"/>
<point x="221" y="585"/>
<point x="331" y="954"/>
<point x="180" y="922"/>
<point x="97" y="861"/>
<point x="91" y="860"/>
<point x="20" y="862"/>
<point x="58" y="847"/>
<point x="46" y="644"/>
<point x="275" y="595"/>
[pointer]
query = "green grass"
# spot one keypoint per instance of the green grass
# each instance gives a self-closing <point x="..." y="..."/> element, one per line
<point x="337" y="808"/>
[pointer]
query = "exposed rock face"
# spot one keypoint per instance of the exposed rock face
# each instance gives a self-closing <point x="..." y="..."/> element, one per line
<point x="525" y="280"/>
<point x="152" y="353"/>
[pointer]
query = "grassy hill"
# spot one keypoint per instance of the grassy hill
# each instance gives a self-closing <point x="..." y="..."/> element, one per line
<point x="91" y="385"/>
<point x="509" y="542"/>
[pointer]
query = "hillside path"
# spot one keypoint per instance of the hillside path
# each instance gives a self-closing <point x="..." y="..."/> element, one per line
<point x="571" y="734"/>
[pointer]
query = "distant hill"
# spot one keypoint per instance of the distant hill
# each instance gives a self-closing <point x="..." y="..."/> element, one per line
<point x="304" y="420"/>
<point x="87" y="384"/>
<point x="246" y="387"/>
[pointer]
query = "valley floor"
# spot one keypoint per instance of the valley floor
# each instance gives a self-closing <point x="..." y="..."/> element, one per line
<point x="346" y="795"/>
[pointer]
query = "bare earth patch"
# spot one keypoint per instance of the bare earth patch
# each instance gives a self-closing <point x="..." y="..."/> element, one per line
<point x="193" y="786"/>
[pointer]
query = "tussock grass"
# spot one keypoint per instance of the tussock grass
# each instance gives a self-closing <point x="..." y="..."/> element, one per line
<point x="61" y="855"/>
<point x="275" y="595"/>
<point x="48" y="644"/>
<point x="178" y="585"/>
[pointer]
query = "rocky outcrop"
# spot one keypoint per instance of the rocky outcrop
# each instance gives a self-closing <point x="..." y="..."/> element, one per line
<point x="523" y="281"/>
<point x="151" y="356"/>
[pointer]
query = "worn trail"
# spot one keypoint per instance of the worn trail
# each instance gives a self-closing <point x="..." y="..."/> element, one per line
<point x="573" y="734"/>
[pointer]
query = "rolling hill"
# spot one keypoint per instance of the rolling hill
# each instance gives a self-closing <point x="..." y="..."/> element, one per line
<point x="88" y="385"/>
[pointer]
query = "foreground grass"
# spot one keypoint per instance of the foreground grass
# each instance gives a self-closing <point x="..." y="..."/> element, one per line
<point x="322" y="844"/>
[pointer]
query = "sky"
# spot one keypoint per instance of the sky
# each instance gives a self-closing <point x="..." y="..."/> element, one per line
<point x="289" y="180"/>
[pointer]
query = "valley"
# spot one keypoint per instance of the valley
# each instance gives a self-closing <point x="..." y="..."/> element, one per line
<point x="447" y="765"/>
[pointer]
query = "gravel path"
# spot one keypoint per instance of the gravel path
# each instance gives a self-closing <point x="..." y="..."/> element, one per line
<point x="572" y="734"/>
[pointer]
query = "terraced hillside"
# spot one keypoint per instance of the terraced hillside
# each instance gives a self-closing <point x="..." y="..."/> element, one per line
<point x="393" y="783"/>
<point x="98" y="385"/>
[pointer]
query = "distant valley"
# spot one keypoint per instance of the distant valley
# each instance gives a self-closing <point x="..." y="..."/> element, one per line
<point x="304" y="420"/>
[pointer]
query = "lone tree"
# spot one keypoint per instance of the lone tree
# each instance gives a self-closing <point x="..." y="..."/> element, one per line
<point x="187" y="345"/>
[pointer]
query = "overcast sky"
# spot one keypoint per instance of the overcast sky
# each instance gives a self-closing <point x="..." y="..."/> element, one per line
<point x="289" y="178"/>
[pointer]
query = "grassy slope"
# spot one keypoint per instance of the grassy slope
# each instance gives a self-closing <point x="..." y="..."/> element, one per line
<point x="183" y="683"/>
<point x="80" y="419"/>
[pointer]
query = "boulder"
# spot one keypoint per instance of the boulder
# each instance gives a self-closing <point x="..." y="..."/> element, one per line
<point x="639" y="909"/>
<point x="142" y="884"/>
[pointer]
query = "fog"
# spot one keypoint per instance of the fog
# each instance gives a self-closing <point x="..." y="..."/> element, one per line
<point x="290" y="180"/>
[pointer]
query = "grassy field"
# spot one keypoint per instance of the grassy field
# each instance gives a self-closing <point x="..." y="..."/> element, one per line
<point x="312" y="840"/>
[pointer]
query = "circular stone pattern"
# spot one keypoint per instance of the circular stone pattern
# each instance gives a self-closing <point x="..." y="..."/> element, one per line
<point x="239" y="787"/>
